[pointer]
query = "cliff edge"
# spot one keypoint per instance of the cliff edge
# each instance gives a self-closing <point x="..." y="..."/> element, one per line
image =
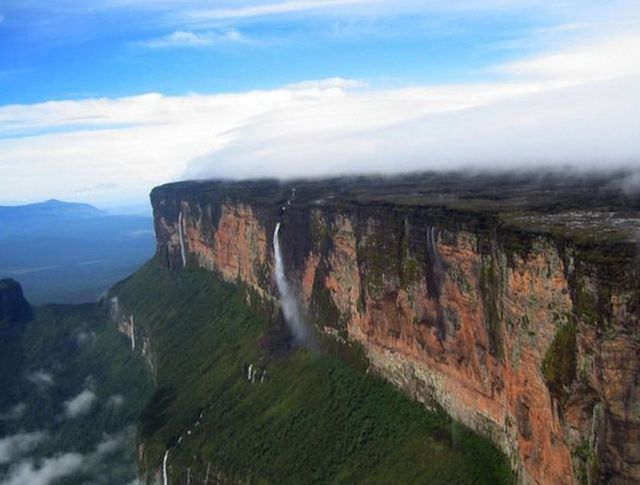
<point x="511" y="302"/>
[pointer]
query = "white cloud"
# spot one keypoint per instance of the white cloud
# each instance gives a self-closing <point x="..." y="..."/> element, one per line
<point x="111" y="444"/>
<point x="336" y="83"/>
<point x="209" y="38"/>
<point x="133" y="143"/>
<point x="116" y="401"/>
<point x="577" y="105"/>
<point x="80" y="404"/>
<point x="12" y="447"/>
<point x="85" y="338"/>
<point x="104" y="462"/>
<point x="264" y="9"/>
<point x="198" y="11"/>
<point x="611" y="58"/>
<point x="79" y="19"/>
<point x="41" y="379"/>
<point x="50" y="470"/>
<point x="577" y="128"/>
<point x="108" y="446"/>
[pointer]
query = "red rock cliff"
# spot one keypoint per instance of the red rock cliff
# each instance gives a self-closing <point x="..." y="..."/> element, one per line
<point x="522" y="336"/>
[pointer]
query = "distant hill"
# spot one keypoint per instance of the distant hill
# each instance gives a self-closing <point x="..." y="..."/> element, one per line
<point x="42" y="216"/>
<point x="51" y="206"/>
<point x="67" y="252"/>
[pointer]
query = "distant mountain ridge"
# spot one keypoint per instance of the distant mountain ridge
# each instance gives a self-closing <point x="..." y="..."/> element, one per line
<point x="22" y="219"/>
<point x="51" y="206"/>
<point x="68" y="252"/>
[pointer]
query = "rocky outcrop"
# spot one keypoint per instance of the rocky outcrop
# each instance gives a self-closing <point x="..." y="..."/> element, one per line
<point x="529" y="336"/>
<point x="13" y="306"/>
<point x="15" y="312"/>
<point x="124" y="321"/>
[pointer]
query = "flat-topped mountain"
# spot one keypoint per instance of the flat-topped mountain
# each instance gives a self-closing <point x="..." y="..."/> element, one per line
<point x="508" y="300"/>
<point x="581" y="206"/>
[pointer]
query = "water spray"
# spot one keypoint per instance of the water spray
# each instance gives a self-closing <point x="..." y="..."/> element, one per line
<point x="290" y="307"/>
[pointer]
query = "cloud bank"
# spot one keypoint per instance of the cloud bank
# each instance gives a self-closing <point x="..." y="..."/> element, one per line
<point x="101" y="464"/>
<point x="16" y="445"/>
<point x="49" y="470"/>
<point x="576" y="106"/>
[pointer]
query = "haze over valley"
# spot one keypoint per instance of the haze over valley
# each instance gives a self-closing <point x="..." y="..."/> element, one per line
<point x="70" y="253"/>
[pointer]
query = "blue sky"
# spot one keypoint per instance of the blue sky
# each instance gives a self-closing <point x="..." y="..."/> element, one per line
<point x="101" y="100"/>
<point x="63" y="49"/>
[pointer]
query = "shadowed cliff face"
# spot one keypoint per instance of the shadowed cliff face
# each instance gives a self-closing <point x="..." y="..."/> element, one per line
<point x="13" y="306"/>
<point x="526" y="334"/>
<point x="15" y="312"/>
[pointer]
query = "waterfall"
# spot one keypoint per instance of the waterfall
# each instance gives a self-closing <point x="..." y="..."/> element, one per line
<point x="165" y="480"/>
<point x="433" y="248"/>
<point x="181" y="235"/>
<point x="133" y="334"/>
<point x="435" y="279"/>
<point x="290" y="308"/>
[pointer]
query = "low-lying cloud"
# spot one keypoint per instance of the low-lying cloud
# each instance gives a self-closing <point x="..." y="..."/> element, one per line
<point x="80" y="404"/>
<point x="41" y="379"/>
<point x="14" y="446"/>
<point x="85" y="338"/>
<point x="46" y="471"/>
<point x="116" y="401"/>
<point x="49" y="470"/>
<point x="577" y="107"/>
<point x="568" y="126"/>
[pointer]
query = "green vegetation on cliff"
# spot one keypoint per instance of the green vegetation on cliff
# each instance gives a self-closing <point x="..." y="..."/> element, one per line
<point x="491" y="285"/>
<point x="313" y="419"/>
<point x="559" y="364"/>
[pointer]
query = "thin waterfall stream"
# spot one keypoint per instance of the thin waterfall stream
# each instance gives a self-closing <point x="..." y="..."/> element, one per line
<point x="165" y="479"/>
<point x="183" y="252"/>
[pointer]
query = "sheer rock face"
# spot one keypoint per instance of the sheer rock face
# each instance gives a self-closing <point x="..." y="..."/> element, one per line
<point x="522" y="336"/>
